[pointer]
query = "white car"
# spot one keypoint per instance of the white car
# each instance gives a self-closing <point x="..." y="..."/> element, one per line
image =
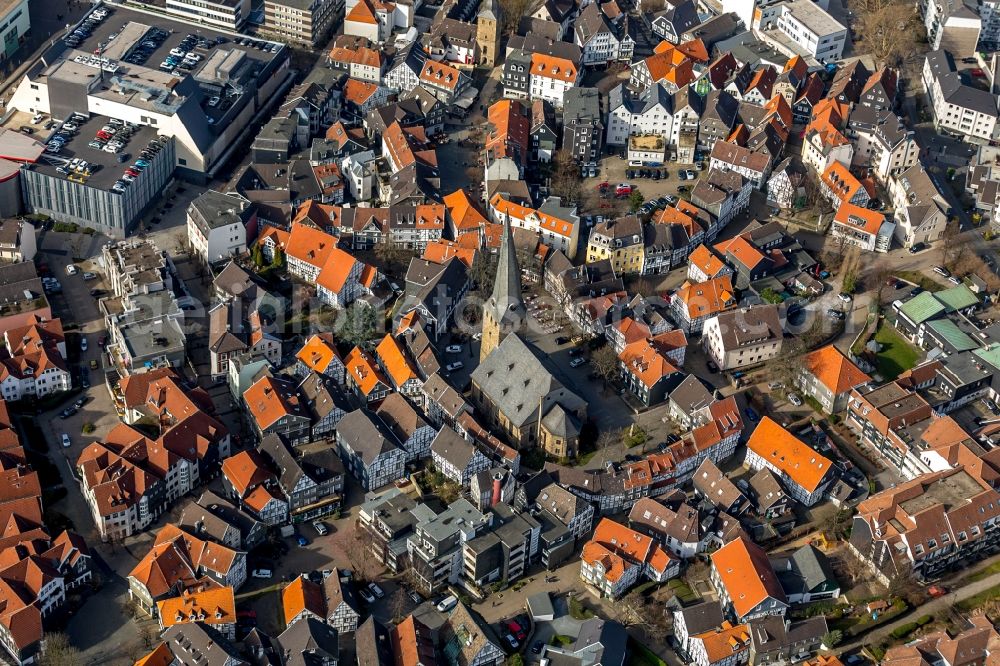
<point x="577" y="362"/>
<point x="65" y="440"/>
<point x="37" y="118"/>
<point x="89" y="276"/>
<point x="178" y="52"/>
<point x="453" y="349"/>
<point x="71" y="269"/>
<point x="261" y="573"/>
<point x="844" y="297"/>
<point x="320" y="528"/>
<point x="447" y="604"/>
<point x="366" y="595"/>
<point x="83" y="344"/>
<point x="452" y="367"/>
<point x="213" y="102"/>
<point x="794" y="399"/>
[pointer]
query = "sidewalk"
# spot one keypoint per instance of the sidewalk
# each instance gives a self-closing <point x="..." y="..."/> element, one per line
<point x="932" y="608"/>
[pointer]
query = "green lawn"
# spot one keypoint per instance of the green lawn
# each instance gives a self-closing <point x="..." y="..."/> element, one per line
<point x="640" y="655"/>
<point x="897" y="355"/>
<point x="919" y="279"/>
<point x="985" y="572"/>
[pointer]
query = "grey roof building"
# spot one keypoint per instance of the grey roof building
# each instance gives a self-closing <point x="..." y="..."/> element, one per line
<point x="522" y="384"/>
<point x="370" y="450"/>
<point x="583" y="124"/>
<point x="600" y="643"/>
<point x="309" y="643"/>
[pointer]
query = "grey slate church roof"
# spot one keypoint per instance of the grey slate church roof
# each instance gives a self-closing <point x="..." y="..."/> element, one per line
<point x="517" y="377"/>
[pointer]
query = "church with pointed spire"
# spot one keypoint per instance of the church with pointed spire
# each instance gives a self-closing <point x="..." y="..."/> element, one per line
<point x="516" y="386"/>
<point x="504" y="312"/>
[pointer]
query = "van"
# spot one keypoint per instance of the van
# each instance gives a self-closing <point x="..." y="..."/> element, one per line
<point x="447" y="603"/>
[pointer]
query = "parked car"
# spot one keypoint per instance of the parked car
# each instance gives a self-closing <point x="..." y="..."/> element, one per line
<point x="836" y="314"/>
<point x="577" y="362"/>
<point x="794" y="399"/>
<point x="774" y="386"/>
<point x="845" y="297"/>
<point x="561" y="340"/>
<point x="511" y="641"/>
<point x="68" y="412"/>
<point x="751" y="414"/>
<point x="83" y="343"/>
<point x="941" y="270"/>
<point x="536" y="647"/>
<point x="366" y="595"/>
<point x="376" y="590"/>
<point x="446" y="604"/>
<point x="320" y="528"/>
<point x="89" y="276"/>
<point x="712" y="367"/>
<point x="65" y="441"/>
<point x="415" y="598"/>
<point x="453" y="349"/>
<point x="262" y="573"/>
<point x="301" y="540"/>
<point x="452" y="367"/>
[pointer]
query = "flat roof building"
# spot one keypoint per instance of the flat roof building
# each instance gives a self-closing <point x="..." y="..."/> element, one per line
<point x="76" y="185"/>
<point x="207" y="107"/>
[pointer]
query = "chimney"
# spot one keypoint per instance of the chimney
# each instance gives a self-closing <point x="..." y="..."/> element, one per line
<point x="497" y="480"/>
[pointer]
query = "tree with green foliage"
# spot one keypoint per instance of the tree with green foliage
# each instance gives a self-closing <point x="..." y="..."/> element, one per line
<point x="357" y="324"/>
<point x="278" y="260"/>
<point x="769" y="295"/>
<point x="849" y="284"/>
<point x="257" y="256"/>
<point x="635" y="200"/>
<point x="833" y="638"/>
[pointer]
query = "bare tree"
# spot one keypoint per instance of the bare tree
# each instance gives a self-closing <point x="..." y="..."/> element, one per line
<point x="358" y="550"/>
<point x="881" y="272"/>
<point x="511" y="12"/>
<point x="565" y="176"/>
<point x="397" y="604"/>
<point x="904" y="586"/>
<point x="652" y="6"/>
<point x="59" y="651"/>
<point x="606" y="439"/>
<point x="888" y="28"/>
<point x="484" y="269"/>
<point x="391" y="255"/>
<point x="605" y="362"/>
<point x="951" y="247"/>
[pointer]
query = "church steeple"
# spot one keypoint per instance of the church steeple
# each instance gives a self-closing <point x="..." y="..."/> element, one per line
<point x="504" y="312"/>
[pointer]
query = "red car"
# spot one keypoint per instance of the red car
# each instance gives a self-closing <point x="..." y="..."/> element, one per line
<point x="936" y="591"/>
<point x="132" y="172"/>
<point x="977" y="72"/>
<point x="103" y="135"/>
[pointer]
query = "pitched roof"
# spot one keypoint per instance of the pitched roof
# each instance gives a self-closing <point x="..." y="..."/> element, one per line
<point x="245" y="470"/>
<point x="746" y="574"/>
<point x="834" y="370"/>
<point x="302" y="595"/>
<point x="705" y="299"/>
<point x="795" y="459"/>
<point x="553" y="67"/>
<point x="318" y="352"/>
<point x="724" y="641"/>
<point x="364" y="370"/>
<point x="211" y="605"/>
